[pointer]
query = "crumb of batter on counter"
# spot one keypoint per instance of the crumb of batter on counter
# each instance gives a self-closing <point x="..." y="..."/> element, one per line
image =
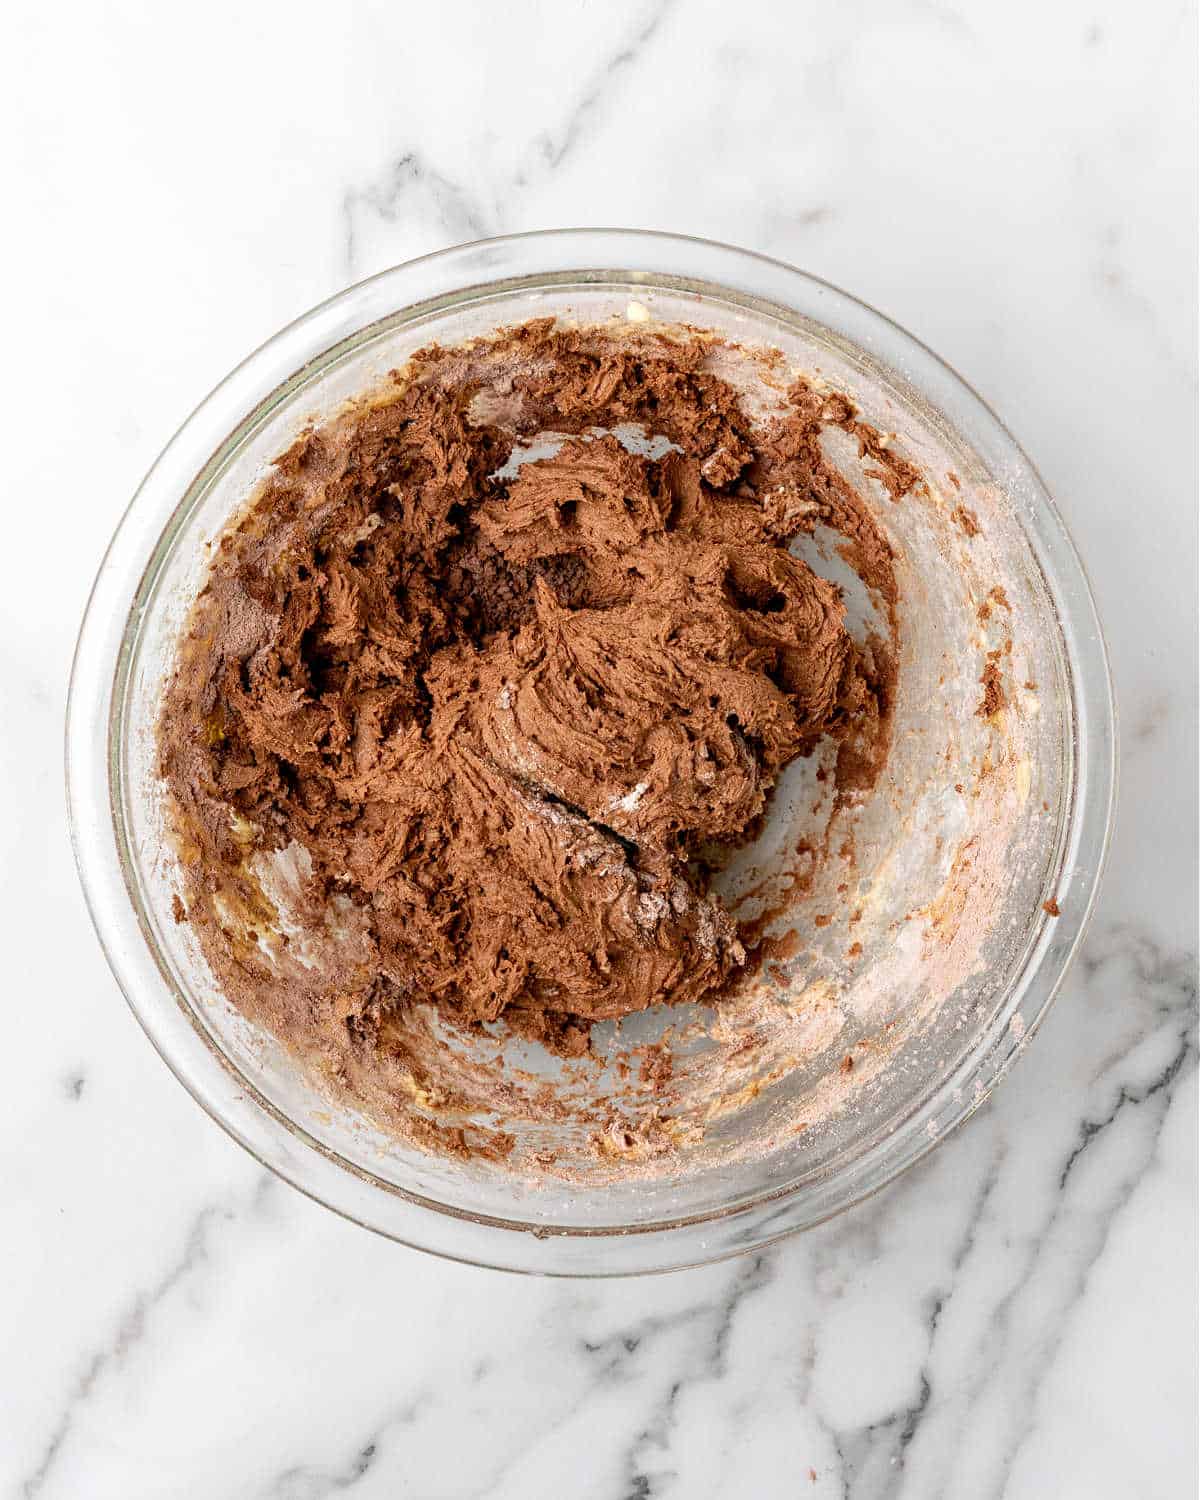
<point x="966" y="519"/>
<point x="854" y="950"/>
<point x="1051" y="908"/>
<point x="1030" y="686"/>
<point x="178" y="910"/>
<point x="847" y="1064"/>
<point x="822" y="919"/>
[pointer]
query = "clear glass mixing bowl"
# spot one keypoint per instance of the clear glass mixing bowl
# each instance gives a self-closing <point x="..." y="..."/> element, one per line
<point x="941" y="1059"/>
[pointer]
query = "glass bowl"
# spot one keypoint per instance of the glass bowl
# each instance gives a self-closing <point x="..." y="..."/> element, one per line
<point x="1049" y="771"/>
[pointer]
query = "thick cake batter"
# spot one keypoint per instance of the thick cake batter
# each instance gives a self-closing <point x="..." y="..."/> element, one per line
<point x="504" y="690"/>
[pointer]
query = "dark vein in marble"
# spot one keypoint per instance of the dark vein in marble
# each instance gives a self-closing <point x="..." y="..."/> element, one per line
<point x="459" y="214"/>
<point x="131" y="1330"/>
<point x="1089" y="1130"/>
<point x="1165" y="986"/>
<point x="619" y="1358"/>
<point x="1052" y="1342"/>
<point x="611" y="1360"/>
<point x="609" y="73"/>
<point x="843" y="1465"/>
<point x="1174" y="977"/>
<point x="888" y="1438"/>
<point x="308" y="1482"/>
<point x="611" y="1357"/>
<point x="1165" y="982"/>
<point x="639" y="1482"/>
<point x="410" y="174"/>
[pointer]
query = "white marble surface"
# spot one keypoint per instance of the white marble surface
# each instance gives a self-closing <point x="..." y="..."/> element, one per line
<point x="1016" y="184"/>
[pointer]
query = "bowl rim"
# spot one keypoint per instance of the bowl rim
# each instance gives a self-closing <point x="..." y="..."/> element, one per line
<point x="436" y="282"/>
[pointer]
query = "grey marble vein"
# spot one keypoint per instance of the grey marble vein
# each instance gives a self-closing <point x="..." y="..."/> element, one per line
<point x="309" y="1482"/>
<point x="132" y="1329"/>
<point x="1025" y="1401"/>
<point x="614" y="1360"/>
<point x="872" y="1458"/>
<point x="410" y="176"/>
<point x="1090" y="1130"/>
<point x="640" y="1479"/>
<point x="608" y="1361"/>
<point x="1066" y="1241"/>
<point x="556" y="149"/>
<point x="1078" y="1226"/>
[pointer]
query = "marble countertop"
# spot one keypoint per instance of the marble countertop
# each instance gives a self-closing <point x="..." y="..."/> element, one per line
<point x="1015" y="183"/>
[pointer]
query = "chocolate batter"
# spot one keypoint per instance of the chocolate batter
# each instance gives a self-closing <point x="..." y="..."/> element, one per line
<point x="505" y="710"/>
